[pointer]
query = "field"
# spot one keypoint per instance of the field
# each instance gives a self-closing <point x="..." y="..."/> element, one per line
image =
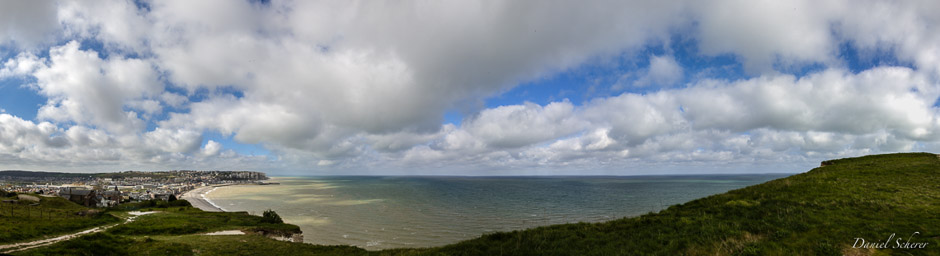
<point x="22" y="221"/>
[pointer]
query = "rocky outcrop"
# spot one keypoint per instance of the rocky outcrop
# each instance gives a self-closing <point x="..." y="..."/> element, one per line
<point x="296" y="238"/>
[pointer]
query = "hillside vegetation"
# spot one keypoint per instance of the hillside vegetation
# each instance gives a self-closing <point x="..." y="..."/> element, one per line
<point x="822" y="212"/>
<point x="25" y="220"/>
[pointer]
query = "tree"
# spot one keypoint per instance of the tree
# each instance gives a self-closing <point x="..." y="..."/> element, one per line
<point x="269" y="216"/>
<point x="172" y="198"/>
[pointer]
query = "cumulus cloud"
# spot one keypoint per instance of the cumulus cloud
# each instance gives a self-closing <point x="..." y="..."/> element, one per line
<point x="765" y="33"/>
<point x="23" y="65"/>
<point x="19" y="135"/>
<point x="663" y="71"/>
<point x="86" y="89"/>
<point x="120" y="24"/>
<point x="522" y="125"/>
<point x="360" y="85"/>
<point x="211" y="148"/>
<point x="25" y="144"/>
<point x="828" y="114"/>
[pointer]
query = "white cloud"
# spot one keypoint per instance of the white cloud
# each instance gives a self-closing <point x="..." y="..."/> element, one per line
<point x="765" y="33"/>
<point x="173" y="99"/>
<point x="522" y="125"/>
<point x="907" y="30"/>
<point x="23" y="65"/>
<point x="44" y="146"/>
<point x="19" y="135"/>
<point x="211" y="148"/>
<point x="768" y="118"/>
<point x="895" y="99"/>
<point x="663" y="71"/>
<point x="118" y="23"/>
<point x="86" y="89"/>
<point x="173" y="141"/>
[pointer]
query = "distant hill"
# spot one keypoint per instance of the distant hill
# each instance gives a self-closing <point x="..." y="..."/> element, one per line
<point x="113" y="175"/>
<point x="19" y="173"/>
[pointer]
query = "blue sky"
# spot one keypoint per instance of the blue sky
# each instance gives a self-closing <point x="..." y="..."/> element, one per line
<point x="484" y="89"/>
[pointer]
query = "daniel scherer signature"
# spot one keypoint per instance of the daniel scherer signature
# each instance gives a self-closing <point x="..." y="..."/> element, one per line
<point x="891" y="242"/>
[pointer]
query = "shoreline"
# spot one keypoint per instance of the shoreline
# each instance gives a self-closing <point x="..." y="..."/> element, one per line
<point x="197" y="198"/>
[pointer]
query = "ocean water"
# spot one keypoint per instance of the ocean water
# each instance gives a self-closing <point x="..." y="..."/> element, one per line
<point x="394" y="212"/>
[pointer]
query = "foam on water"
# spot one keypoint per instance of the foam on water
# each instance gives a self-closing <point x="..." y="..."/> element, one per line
<point x="203" y="196"/>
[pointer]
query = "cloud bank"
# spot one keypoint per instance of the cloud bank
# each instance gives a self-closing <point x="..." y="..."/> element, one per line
<point x="359" y="87"/>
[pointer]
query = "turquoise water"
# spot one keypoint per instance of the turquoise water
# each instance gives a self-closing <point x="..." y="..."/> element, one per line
<point x="393" y="212"/>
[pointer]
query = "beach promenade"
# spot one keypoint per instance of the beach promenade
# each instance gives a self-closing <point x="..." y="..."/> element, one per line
<point x="195" y="198"/>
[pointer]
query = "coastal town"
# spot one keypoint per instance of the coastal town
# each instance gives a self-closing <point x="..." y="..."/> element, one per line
<point x="112" y="189"/>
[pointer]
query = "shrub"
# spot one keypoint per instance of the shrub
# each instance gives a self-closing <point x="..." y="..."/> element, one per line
<point x="270" y="216"/>
<point x="154" y="204"/>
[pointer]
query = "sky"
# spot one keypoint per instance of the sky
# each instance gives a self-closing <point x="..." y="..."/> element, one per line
<point x="465" y="87"/>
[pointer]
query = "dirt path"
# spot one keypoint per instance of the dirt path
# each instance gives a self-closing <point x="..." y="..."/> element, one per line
<point x="11" y="248"/>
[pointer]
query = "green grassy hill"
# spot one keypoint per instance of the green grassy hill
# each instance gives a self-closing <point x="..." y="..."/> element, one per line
<point x="821" y="212"/>
<point x="25" y="220"/>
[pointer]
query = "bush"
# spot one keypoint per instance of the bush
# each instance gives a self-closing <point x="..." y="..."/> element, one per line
<point x="180" y="203"/>
<point x="154" y="204"/>
<point x="270" y="216"/>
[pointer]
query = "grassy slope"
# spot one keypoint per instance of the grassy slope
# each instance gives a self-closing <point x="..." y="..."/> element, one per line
<point x="189" y="220"/>
<point x="816" y="213"/>
<point x="57" y="217"/>
<point x="176" y="230"/>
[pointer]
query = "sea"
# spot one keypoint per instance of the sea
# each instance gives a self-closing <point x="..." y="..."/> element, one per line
<point x="397" y="212"/>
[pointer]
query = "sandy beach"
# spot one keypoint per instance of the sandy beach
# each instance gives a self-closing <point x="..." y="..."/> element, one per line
<point x="195" y="197"/>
